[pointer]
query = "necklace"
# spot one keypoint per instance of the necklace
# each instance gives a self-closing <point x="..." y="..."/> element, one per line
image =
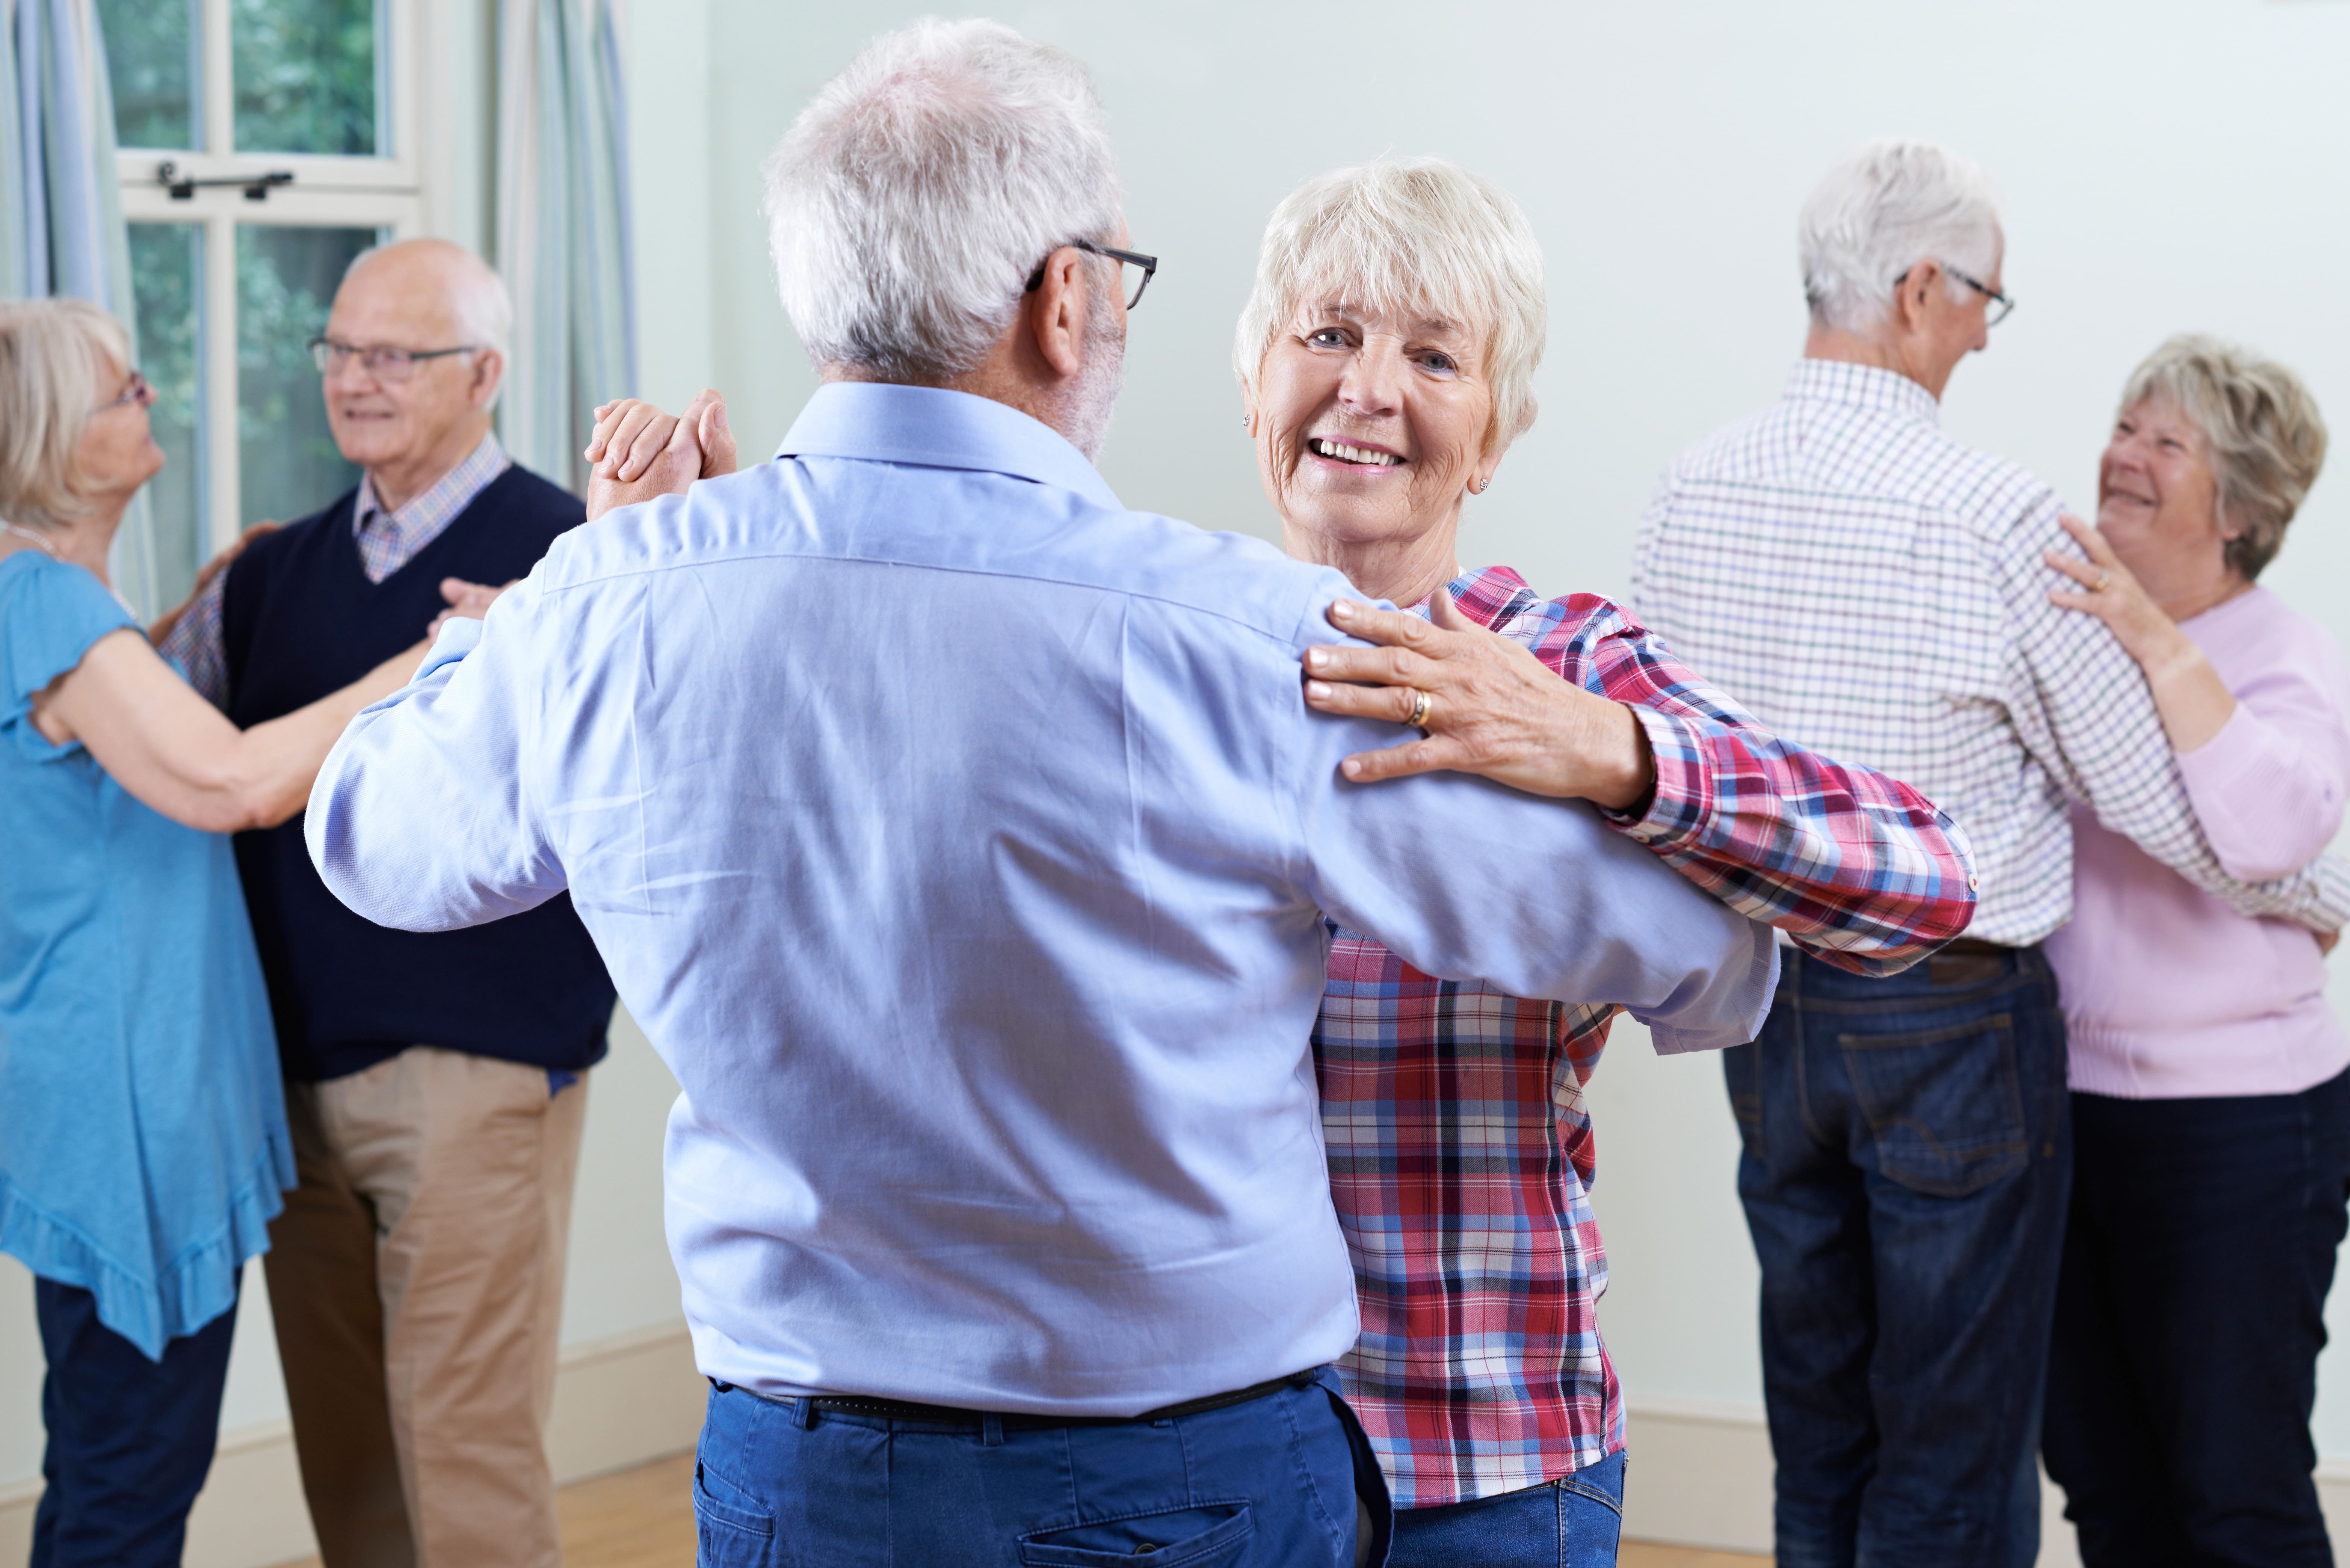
<point x="49" y="549"/>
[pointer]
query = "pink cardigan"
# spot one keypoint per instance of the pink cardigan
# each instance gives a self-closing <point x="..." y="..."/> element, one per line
<point x="2168" y="993"/>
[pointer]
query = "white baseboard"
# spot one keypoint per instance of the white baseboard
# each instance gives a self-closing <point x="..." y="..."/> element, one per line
<point x="1699" y="1475"/>
<point x="619" y="1403"/>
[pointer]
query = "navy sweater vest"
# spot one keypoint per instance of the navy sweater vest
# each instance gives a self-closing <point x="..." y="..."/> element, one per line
<point x="300" y="619"/>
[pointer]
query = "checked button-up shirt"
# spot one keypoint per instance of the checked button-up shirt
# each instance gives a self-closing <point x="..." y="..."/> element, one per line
<point x="1460" y="1154"/>
<point x="1870" y="586"/>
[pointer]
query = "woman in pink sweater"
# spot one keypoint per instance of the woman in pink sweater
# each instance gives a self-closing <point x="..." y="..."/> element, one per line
<point x="2211" y="1104"/>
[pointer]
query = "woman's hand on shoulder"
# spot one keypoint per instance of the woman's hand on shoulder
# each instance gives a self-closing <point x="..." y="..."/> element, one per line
<point x="2111" y="591"/>
<point x="1483" y="703"/>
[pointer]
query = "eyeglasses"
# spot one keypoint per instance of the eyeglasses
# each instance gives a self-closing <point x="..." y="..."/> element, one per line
<point x="1148" y="265"/>
<point x="393" y="364"/>
<point x="2001" y="307"/>
<point x="138" y="390"/>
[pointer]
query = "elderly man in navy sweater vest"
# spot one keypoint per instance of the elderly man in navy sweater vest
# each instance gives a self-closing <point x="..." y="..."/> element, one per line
<point x="434" y="1083"/>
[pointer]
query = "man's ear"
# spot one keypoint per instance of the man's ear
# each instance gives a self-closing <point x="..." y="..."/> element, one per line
<point x="1055" y="313"/>
<point x="1910" y="302"/>
<point x="489" y="369"/>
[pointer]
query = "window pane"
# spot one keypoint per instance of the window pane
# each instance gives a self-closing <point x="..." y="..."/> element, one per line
<point x="286" y="279"/>
<point x="150" y="63"/>
<point x="167" y="282"/>
<point x="305" y="76"/>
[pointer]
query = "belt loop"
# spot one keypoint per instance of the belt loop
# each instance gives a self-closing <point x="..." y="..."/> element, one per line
<point x="991" y="1429"/>
<point x="804" y="1412"/>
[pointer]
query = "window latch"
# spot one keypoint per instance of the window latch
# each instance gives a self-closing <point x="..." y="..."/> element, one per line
<point x="183" y="187"/>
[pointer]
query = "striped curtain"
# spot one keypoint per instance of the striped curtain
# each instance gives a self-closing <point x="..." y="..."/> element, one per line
<point x="563" y="228"/>
<point x="61" y="230"/>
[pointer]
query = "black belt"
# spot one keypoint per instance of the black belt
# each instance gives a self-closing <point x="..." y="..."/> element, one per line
<point x="1975" y="947"/>
<point x="959" y="1419"/>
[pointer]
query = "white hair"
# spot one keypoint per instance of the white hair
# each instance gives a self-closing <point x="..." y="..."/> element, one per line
<point x="910" y="203"/>
<point x="1881" y="212"/>
<point x="477" y="297"/>
<point x="1419" y="234"/>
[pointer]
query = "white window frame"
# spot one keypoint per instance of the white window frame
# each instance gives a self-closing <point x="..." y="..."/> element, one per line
<point x="382" y="192"/>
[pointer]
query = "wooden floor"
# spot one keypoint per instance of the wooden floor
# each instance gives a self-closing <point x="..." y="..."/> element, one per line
<point x="644" y="1518"/>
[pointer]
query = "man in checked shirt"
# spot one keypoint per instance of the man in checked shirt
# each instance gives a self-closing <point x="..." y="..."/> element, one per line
<point x="1868" y="587"/>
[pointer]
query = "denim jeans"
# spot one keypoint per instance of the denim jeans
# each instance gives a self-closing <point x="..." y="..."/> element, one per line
<point x="1572" y="1522"/>
<point x="1272" y="1483"/>
<point x="130" y="1439"/>
<point x="2188" y="1320"/>
<point x="1908" y="1157"/>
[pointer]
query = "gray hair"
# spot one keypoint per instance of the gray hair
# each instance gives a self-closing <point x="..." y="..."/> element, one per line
<point x="1420" y="233"/>
<point x="909" y="204"/>
<point x="54" y="358"/>
<point x="1880" y="213"/>
<point x="2261" y="427"/>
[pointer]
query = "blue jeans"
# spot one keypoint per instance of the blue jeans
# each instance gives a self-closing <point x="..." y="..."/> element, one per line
<point x="1572" y="1522"/>
<point x="1272" y="1483"/>
<point x="1907" y="1159"/>
<point x="130" y="1439"/>
<point x="2188" y="1320"/>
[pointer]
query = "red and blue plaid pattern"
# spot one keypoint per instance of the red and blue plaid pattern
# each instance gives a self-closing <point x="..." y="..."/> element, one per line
<point x="1460" y="1150"/>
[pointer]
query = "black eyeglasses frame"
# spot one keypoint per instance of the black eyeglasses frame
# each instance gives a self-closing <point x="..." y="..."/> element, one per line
<point x="324" y="352"/>
<point x="1149" y="266"/>
<point x="2006" y="306"/>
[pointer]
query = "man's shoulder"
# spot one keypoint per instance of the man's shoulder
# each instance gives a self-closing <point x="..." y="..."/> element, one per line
<point x="520" y="491"/>
<point x="996" y="524"/>
<point x="1864" y="456"/>
<point x="282" y="544"/>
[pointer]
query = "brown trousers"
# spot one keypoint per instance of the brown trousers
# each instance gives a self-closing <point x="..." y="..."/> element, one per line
<point x="416" y="1277"/>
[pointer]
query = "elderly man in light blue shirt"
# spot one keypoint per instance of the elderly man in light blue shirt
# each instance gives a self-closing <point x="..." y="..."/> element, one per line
<point x="961" y="840"/>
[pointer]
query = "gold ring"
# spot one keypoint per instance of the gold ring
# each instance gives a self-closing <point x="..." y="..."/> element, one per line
<point x="1419" y="707"/>
<point x="2099" y="586"/>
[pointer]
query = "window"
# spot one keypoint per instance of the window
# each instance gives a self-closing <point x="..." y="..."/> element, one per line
<point x="263" y="143"/>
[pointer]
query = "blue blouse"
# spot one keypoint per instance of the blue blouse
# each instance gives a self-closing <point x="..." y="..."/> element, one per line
<point x="142" y="1130"/>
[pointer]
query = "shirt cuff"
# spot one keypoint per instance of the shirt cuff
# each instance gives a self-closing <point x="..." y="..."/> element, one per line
<point x="1684" y="800"/>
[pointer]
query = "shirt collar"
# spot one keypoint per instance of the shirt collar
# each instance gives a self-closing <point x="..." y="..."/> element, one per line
<point x="1863" y="385"/>
<point x="472" y="473"/>
<point x="932" y="427"/>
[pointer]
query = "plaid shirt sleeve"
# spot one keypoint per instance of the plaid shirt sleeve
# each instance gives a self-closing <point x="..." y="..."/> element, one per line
<point x="197" y="645"/>
<point x="1857" y="868"/>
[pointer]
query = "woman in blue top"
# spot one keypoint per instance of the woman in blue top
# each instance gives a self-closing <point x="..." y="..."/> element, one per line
<point x="142" y="1134"/>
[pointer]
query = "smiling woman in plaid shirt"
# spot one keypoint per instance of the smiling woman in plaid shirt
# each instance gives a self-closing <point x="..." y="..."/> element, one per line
<point x="1387" y="356"/>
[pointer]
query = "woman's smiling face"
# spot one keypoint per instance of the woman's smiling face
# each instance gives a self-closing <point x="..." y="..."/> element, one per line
<point x="1370" y="422"/>
<point x="2157" y="500"/>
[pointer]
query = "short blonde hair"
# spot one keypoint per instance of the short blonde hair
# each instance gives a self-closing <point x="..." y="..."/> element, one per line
<point x="2266" y="438"/>
<point x="54" y="356"/>
<point x="1420" y="233"/>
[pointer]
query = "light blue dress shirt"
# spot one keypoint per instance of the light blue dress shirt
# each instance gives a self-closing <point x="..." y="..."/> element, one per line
<point x="963" y="842"/>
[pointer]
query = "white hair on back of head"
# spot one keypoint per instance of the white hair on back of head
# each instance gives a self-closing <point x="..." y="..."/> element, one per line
<point x="1881" y="212"/>
<point x="1422" y="235"/>
<point x="910" y="203"/>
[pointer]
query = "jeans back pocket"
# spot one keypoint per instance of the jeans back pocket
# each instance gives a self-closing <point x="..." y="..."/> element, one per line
<point x="1944" y="1105"/>
<point x="731" y="1530"/>
<point x="1202" y="1536"/>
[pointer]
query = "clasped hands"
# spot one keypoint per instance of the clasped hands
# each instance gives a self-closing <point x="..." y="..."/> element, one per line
<point x="1491" y="708"/>
<point x="639" y="453"/>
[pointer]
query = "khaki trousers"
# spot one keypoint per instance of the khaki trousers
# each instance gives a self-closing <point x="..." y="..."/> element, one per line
<point x="416" y="1277"/>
